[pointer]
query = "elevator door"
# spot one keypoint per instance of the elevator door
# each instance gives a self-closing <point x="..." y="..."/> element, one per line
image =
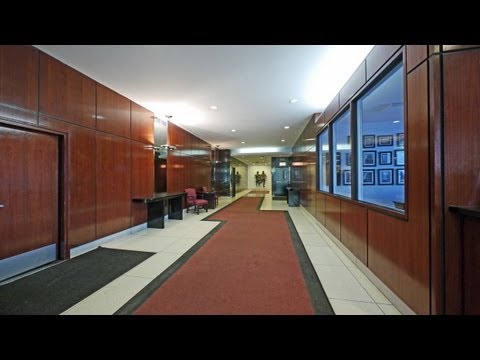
<point x="28" y="200"/>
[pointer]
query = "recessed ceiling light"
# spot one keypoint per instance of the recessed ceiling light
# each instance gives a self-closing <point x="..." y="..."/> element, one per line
<point x="243" y="142"/>
<point x="293" y="101"/>
<point x="286" y="127"/>
<point x="396" y="121"/>
<point x="213" y="107"/>
<point x="233" y="130"/>
<point x="283" y="140"/>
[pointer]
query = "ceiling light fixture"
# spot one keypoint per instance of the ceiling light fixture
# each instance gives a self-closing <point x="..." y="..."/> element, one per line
<point x="213" y="107"/>
<point x="286" y="127"/>
<point x="283" y="140"/>
<point x="233" y="130"/>
<point x="396" y="121"/>
<point x="293" y="101"/>
<point x="243" y="142"/>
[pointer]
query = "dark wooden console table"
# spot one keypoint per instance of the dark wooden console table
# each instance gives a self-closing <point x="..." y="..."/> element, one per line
<point x="162" y="204"/>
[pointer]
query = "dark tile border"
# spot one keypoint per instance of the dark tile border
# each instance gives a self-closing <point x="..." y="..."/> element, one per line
<point x="319" y="299"/>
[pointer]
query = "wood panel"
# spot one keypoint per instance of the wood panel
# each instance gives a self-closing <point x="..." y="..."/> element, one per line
<point x="378" y="57"/>
<point x="415" y="55"/>
<point x="142" y="169"/>
<point x="461" y="163"/>
<point x="143" y="158"/>
<point x="142" y="124"/>
<point x="398" y="250"/>
<point x="65" y="93"/>
<point x="19" y="83"/>
<point x="112" y="184"/>
<point x="353" y="232"/>
<point x="332" y="215"/>
<point x="113" y="112"/>
<point x="332" y="108"/>
<point x="436" y="188"/>
<point x="458" y="47"/>
<point x="81" y="180"/>
<point x="356" y="81"/>
<point x="321" y="203"/>
<point x="471" y="270"/>
<point x="320" y="123"/>
<point x="29" y="191"/>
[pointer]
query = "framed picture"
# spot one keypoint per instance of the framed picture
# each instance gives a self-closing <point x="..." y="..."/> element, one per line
<point x="385" y="176"/>
<point x="400" y="176"/>
<point x="399" y="158"/>
<point x="368" y="141"/>
<point x="348" y="162"/>
<point x="385" y="140"/>
<point x="348" y="139"/>
<point x="400" y="140"/>
<point x="368" y="177"/>
<point x="385" y="158"/>
<point x="347" y="177"/>
<point x="369" y="158"/>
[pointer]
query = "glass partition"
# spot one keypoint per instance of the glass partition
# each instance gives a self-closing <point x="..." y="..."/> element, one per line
<point x="381" y="128"/>
<point x="342" y="177"/>
<point x="323" y="161"/>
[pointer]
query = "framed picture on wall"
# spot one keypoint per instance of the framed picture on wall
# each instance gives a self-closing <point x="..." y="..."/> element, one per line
<point x="385" y="176"/>
<point x="347" y="177"/>
<point x="400" y="140"/>
<point x="385" y="140"/>
<point x="348" y="162"/>
<point x="368" y="141"/>
<point x="385" y="158"/>
<point x="399" y="158"/>
<point x="369" y="158"/>
<point x="400" y="176"/>
<point x="368" y="177"/>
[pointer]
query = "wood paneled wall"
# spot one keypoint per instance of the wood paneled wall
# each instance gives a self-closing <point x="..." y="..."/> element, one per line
<point x="395" y="248"/>
<point x="189" y="165"/>
<point x="461" y="174"/>
<point x="108" y="140"/>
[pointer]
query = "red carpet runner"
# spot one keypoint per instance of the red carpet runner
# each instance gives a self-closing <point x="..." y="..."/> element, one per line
<point x="247" y="267"/>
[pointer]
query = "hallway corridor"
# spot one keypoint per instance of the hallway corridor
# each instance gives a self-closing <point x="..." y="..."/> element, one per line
<point x="347" y="288"/>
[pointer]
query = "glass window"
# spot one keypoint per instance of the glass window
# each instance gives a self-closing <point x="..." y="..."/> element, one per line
<point x="381" y="129"/>
<point x="323" y="162"/>
<point x="342" y="183"/>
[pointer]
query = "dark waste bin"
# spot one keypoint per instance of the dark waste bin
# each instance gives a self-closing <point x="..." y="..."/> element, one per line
<point x="293" y="197"/>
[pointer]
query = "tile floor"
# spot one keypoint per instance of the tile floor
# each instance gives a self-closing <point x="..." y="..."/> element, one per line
<point x="348" y="289"/>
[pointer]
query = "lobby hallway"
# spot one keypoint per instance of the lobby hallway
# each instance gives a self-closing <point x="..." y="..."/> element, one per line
<point x="349" y="291"/>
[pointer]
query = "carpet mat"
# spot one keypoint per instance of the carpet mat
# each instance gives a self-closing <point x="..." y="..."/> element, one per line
<point x="55" y="289"/>
<point x="248" y="267"/>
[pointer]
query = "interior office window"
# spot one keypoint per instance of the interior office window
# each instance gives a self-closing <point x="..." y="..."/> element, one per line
<point x="342" y="176"/>
<point x="381" y="129"/>
<point x="323" y="161"/>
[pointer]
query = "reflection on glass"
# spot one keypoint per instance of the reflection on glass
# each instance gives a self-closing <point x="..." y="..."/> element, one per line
<point x="323" y="162"/>
<point x="380" y="119"/>
<point x="341" y="142"/>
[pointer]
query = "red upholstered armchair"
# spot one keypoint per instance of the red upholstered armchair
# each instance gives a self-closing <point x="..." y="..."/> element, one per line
<point x="193" y="201"/>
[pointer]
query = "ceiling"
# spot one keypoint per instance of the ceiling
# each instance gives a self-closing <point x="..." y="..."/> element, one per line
<point x="251" y="85"/>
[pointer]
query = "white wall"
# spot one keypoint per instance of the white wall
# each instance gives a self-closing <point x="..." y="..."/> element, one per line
<point x="252" y="170"/>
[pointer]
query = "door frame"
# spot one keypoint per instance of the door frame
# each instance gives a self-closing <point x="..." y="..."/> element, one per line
<point x="63" y="251"/>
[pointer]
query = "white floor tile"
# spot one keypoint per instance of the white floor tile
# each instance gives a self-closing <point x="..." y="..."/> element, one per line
<point x="372" y="290"/>
<point x="341" y="255"/>
<point x="322" y="255"/>
<point x="110" y="298"/>
<point x="154" y="265"/>
<point x="389" y="309"/>
<point x="345" y="307"/>
<point x="181" y="246"/>
<point x="339" y="283"/>
<point x="312" y="240"/>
